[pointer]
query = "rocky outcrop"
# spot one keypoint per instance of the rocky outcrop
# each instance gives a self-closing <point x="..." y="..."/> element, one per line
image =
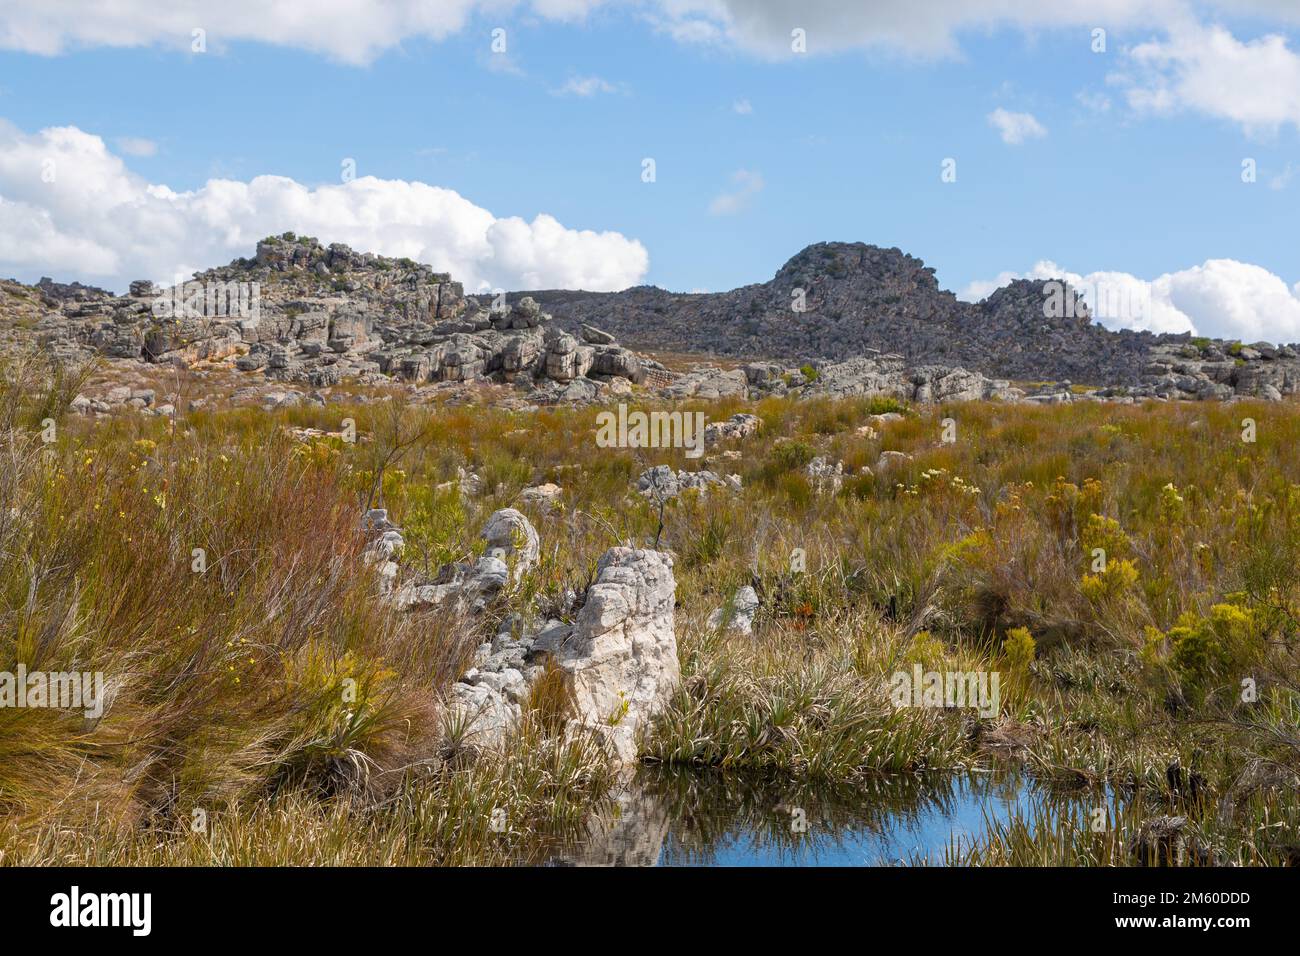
<point x="511" y="536"/>
<point x="834" y="302"/>
<point x="662" y="483"/>
<point x="300" y="312"/>
<point x="842" y="319"/>
<point x="512" y="550"/>
<point x="888" y="375"/>
<point x="621" y="659"/>
<point x="740" y="425"/>
<point x="738" y="615"/>
<point x="825" y="477"/>
<point x="618" y="660"/>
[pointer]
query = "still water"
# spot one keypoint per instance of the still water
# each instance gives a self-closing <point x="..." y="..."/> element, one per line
<point x="673" y="817"/>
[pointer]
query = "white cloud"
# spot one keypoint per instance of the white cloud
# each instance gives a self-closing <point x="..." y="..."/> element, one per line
<point x="1223" y="298"/>
<point x="357" y="31"/>
<point x="354" y="31"/>
<point x="1283" y="179"/>
<point x="747" y="185"/>
<point x="925" y="29"/>
<point x="98" y="221"/>
<point x="743" y="107"/>
<point x="1015" y="128"/>
<point x="585" y="86"/>
<point x="1206" y="69"/>
<point x="137" y="146"/>
<point x="979" y="289"/>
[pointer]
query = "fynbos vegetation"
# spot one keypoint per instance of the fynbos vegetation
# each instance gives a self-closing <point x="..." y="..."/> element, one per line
<point x="1101" y="597"/>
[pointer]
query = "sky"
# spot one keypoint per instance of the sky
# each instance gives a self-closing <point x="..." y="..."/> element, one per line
<point x="1149" y="149"/>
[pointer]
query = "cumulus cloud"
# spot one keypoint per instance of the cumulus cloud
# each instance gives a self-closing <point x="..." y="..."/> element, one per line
<point x="357" y="31"/>
<point x="927" y="29"/>
<point x="71" y="207"/>
<point x="354" y="31"/>
<point x="746" y="185"/>
<point x="1015" y="128"/>
<point x="743" y="107"/>
<point x="1255" y="83"/>
<point x="1222" y="298"/>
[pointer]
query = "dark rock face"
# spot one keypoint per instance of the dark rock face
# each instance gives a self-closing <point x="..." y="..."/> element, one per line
<point x="859" y="298"/>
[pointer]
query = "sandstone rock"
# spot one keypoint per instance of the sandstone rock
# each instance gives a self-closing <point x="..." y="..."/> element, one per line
<point x="708" y="382"/>
<point x="512" y="533"/>
<point x="596" y="336"/>
<point x="621" y="659"/>
<point x="823" y="476"/>
<point x="544" y="495"/>
<point x="739" y="616"/>
<point x="740" y="425"/>
<point x="888" y="459"/>
<point x="661" y="483"/>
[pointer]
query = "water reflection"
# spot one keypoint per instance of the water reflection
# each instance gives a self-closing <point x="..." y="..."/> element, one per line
<point x="677" y="817"/>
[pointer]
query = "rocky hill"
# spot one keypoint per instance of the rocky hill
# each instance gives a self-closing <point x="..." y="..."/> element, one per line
<point x="840" y="319"/>
<point x="858" y="297"/>
<point x="302" y="312"/>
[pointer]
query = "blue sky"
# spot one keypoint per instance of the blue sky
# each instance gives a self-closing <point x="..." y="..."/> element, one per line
<point x="1137" y="169"/>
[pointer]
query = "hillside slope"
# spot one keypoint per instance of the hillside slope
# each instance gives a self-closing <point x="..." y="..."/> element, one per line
<point x="859" y="297"/>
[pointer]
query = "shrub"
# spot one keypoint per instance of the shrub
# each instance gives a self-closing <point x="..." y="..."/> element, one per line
<point x="1204" y="650"/>
<point x="1117" y="580"/>
<point x="1018" y="645"/>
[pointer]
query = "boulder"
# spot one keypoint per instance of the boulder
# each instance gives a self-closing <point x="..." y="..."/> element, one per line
<point x="739" y="615"/>
<point x="596" y="336"/>
<point x="514" y="535"/>
<point x="661" y="483"/>
<point x="823" y="476"/>
<point x="740" y="425"/>
<point x="621" y="660"/>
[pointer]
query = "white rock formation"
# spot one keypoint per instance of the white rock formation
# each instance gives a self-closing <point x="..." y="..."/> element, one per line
<point x="744" y="605"/>
<point x="619" y="658"/>
<point x="823" y="476"/>
<point x="511" y="532"/>
<point x="622" y="655"/>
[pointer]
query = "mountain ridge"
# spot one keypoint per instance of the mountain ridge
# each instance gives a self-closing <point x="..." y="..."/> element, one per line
<point x="859" y="297"/>
<point x="858" y="318"/>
